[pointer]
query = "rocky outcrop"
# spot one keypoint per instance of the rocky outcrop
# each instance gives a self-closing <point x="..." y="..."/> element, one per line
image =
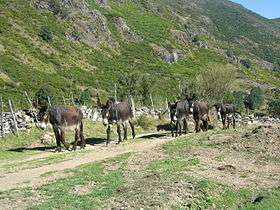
<point x="125" y="30"/>
<point x="165" y="55"/>
<point x="87" y="26"/>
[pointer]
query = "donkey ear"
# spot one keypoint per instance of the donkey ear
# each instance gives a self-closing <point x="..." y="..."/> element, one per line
<point x="99" y="104"/>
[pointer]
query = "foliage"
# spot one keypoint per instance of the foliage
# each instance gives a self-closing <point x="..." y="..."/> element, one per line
<point x="274" y="105"/>
<point x="85" y="97"/>
<point x="137" y="85"/>
<point x="44" y="94"/>
<point x="145" y="122"/>
<point x="255" y="99"/>
<point x="236" y="98"/>
<point x="246" y="62"/>
<point x="46" y="34"/>
<point x="276" y="66"/>
<point x="215" y="81"/>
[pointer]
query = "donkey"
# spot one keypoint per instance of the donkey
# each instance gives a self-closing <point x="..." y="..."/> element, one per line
<point x="119" y="113"/>
<point x="226" y="112"/>
<point x="62" y="119"/>
<point x="201" y="115"/>
<point x="179" y="112"/>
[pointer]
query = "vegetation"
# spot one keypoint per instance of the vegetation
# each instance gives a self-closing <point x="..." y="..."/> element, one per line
<point x="214" y="82"/>
<point x="255" y="99"/>
<point x="38" y="48"/>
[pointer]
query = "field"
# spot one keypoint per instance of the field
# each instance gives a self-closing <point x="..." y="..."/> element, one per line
<point x="217" y="169"/>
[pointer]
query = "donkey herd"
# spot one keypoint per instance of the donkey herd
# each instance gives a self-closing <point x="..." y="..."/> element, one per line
<point x="123" y="113"/>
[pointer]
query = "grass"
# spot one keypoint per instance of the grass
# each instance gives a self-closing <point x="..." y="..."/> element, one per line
<point x="155" y="182"/>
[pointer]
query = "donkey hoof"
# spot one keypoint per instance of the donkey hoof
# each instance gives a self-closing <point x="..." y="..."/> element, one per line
<point x="58" y="149"/>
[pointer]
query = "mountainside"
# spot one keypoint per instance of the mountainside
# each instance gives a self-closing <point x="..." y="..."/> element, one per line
<point x="143" y="46"/>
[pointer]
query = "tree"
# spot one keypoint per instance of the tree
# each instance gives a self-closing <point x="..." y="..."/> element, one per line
<point x="255" y="99"/>
<point x="215" y="81"/>
<point x="44" y="93"/>
<point x="274" y="105"/>
<point x="85" y="97"/>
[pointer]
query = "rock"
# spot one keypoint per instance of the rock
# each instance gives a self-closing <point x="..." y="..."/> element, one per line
<point x="165" y="55"/>
<point x="126" y="32"/>
<point x="47" y="138"/>
<point x="102" y="3"/>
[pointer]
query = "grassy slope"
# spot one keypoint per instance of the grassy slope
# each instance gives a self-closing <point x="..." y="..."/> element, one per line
<point x="28" y="62"/>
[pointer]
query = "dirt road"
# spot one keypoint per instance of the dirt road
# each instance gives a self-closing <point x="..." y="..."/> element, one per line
<point x="33" y="177"/>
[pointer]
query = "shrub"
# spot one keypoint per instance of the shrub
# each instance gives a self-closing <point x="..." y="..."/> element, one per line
<point x="215" y="81"/>
<point x="85" y="97"/>
<point x="44" y="93"/>
<point x="246" y="62"/>
<point x="145" y="122"/>
<point x="274" y="105"/>
<point x="255" y="99"/>
<point x="46" y="34"/>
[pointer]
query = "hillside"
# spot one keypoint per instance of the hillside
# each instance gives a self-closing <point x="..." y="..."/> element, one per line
<point x="143" y="46"/>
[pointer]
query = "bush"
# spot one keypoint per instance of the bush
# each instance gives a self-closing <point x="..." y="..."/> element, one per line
<point x="85" y="97"/>
<point x="215" y="81"/>
<point x="246" y="62"/>
<point x="46" y="34"/>
<point x="146" y="122"/>
<point x="255" y="99"/>
<point x="44" y="93"/>
<point x="274" y="106"/>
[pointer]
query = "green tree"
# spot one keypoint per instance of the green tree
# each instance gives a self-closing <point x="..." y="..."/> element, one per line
<point x="255" y="99"/>
<point x="215" y="81"/>
<point x="85" y="97"/>
<point x="45" y="93"/>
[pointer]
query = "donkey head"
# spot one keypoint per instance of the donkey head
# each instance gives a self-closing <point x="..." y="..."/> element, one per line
<point x="42" y="118"/>
<point x="105" y="109"/>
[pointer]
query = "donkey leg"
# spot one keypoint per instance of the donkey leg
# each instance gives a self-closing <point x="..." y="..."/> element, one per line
<point x="119" y="133"/>
<point x="185" y="126"/>
<point x="132" y="128"/>
<point x="82" y="138"/>
<point x="76" y="139"/>
<point x="62" y="135"/>
<point x="180" y="128"/>
<point x="224" y="122"/>
<point x="57" y="138"/>
<point x="177" y="128"/>
<point x="108" y="131"/>
<point x="233" y="122"/>
<point x="172" y="129"/>
<point x="124" y="131"/>
<point x="197" y="126"/>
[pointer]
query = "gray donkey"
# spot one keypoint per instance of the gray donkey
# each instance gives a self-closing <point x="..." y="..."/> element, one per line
<point x="179" y="113"/>
<point x="120" y="113"/>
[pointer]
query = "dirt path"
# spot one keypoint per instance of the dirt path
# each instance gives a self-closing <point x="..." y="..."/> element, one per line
<point x="33" y="177"/>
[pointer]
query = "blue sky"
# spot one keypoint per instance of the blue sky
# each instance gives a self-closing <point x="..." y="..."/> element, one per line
<point x="266" y="8"/>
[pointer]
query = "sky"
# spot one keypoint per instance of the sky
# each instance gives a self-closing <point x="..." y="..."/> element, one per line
<point x="267" y="8"/>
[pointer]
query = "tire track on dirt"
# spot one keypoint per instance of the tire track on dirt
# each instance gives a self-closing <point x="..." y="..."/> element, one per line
<point x="32" y="177"/>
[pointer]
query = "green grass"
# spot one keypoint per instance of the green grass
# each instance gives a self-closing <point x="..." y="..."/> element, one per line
<point x="116" y="183"/>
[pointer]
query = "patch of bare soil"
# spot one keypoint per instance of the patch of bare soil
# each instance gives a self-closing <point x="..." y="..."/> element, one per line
<point x="263" y="140"/>
<point x="84" y="189"/>
<point x="249" y="158"/>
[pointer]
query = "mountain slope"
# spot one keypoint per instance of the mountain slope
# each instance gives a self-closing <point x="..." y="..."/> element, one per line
<point x="145" y="47"/>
